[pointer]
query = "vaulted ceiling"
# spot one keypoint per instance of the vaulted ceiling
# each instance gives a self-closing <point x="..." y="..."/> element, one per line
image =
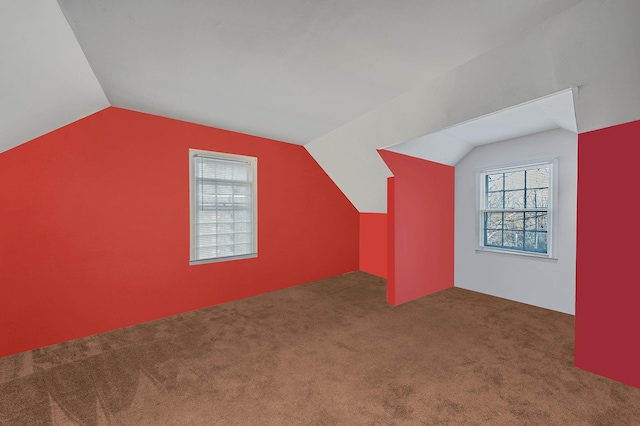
<point x="292" y="70"/>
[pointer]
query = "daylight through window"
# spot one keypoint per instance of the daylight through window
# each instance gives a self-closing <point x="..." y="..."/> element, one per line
<point x="223" y="206"/>
<point x="515" y="208"/>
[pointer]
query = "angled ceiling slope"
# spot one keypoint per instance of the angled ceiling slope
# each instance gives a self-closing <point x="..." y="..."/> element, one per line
<point x="450" y="145"/>
<point x="45" y="79"/>
<point x="283" y="69"/>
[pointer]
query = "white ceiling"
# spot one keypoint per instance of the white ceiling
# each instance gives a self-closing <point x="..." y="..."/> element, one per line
<point x="291" y="70"/>
<point x="45" y="79"/>
<point x="450" y="145"/>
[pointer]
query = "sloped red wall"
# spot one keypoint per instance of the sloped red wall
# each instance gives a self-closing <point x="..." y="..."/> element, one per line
<point x="607" y="340"/>
<point x="373" y="243"/>
<point x="421" y="227"/>
<point x="95" y="227"/>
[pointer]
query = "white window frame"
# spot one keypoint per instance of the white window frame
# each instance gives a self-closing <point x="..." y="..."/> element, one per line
<point x="551" y="209"/>
<point x="253" y="161"/>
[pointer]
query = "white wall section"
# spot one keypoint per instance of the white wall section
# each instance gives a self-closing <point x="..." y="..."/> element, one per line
<point x="547" y="283"/>
<point x="592" y="46"/>
<point x="45" y="79"/>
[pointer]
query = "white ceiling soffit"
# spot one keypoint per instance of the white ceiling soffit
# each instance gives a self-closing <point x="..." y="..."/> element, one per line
<point x="290" y="70"/>
<point x="450" y="145"/>
<point x="45" y="79"/>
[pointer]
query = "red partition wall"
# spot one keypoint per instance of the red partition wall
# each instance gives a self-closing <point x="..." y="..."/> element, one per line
<point x="391" y="241"/>
<point x="607" y="288"/>
<point x="421" y="227"/>
<point x="373" y="243"/>
<point x="95" y="227"/>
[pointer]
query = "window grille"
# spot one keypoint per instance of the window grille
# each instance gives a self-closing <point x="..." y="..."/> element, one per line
<point x="515" y="208"/>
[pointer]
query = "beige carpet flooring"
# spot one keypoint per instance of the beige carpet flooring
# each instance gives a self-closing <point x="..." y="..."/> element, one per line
<point x="331" y="352"/>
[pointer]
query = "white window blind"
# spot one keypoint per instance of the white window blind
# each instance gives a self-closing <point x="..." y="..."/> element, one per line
<point x="224" y="214"/>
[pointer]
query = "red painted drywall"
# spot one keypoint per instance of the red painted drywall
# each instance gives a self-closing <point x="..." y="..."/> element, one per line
<point x="391" y="241"/>
<point x="373" y="243"/>
<point x="607" y="340"/>
<point x="421" y="214"/>
<point x="95" y="227"/>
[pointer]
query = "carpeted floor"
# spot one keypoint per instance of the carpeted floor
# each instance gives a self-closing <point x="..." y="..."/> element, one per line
<point x="332" y="352"/>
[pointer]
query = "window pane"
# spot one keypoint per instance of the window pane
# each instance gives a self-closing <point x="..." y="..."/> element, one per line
<point x="225" y="239"/>
<point x="225" y="216"/>
<point x="493" y="220"/>
<point x="495" y="200"/>
<point x="537" y="198"/>
<point x="240" y="172"/>
<point x="536" y="241"/>
<point x="514" y="239"/>
<point x="207" y="240"/>
<point x="242" y="227"/>
<point x="538" y="178"/>
<point x="493" y="238"/>
<point x="542" y="242"/>
<point x="224" y="189"/>
<point x="224" y="251"/>
<point x="536" y="221"/>
<point x="514" y="199"/>
<point x="242" y="248"/>
<point x="225" y="228"/>
<point x="514" y="180"/>
<point x="207" y="252"/>
<point x="245" y="216"/>
<point x="494" y="182"/>
<point x="514" y="221"/>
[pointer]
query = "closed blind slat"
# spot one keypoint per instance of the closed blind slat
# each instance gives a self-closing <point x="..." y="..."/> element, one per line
<point x="224" y="208"/>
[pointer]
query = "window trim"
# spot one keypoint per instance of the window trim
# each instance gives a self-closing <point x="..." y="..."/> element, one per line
<point x="551" y="209"/>
<point x="192" y="199"/>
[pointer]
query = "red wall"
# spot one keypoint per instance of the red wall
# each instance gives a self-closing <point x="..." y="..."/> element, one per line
<point x="607" y="289"/>
<point x="373" y="243"/>
<point x="391" y="241"/>
<point x="421" y="227"/>
<point x="95" y="227"/>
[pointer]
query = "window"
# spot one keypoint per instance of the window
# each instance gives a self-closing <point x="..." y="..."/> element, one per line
<point x="516" y="209"/>
<point x="223" y="206"/>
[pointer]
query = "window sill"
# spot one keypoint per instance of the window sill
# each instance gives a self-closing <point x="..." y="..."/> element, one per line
<point x="223" y="259"/>
<point x="523" y="254"/>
